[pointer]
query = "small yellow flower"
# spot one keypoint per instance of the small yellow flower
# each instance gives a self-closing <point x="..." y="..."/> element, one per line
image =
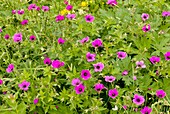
<point x="83" y="4"/>
<point x="64" y="11"/>
<point x="91" y="1"/>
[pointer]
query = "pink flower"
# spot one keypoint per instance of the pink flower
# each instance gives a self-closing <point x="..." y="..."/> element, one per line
<point x="84" y="40"/>
<point x="138" y="99"/>
<point x="47" y="61"/>
<point x="89" y="18"/>
<point x="24" y="22"/>
<point x="24" y="85"/>
<point x="14" y="11"/>
<point x="124" y="107"/>
<point x="61" y="41"/>
<point x="20" y="12"/>
<point x="146" y="110"/>
<point x="38" y="8"/>
<point x="59" y="18"/>
<point x="90" y="57"/>
<point x="36" y="101"/>
<point x="109" y="78"/>
<point x="99" y="87"/>
<point x="76" y="82"/>
<point x="134" y="78"/>
<point x="98" y="67"/>
<point x="45" y="8"/>
<point x="146" y="28"/>
<point x="7" y="36"/>
<point x="10" y="68"/>
<point x="112" y="2"/>
<point x="121" y="55"/>
<point x="79" y="89"/>
<point x="69" y="7"/>
<point x="154" y="59"/>
<point x="160" y="93"/>
<point x="1" y="82"/>
<point x="71" y="16"/>
<point x="97" y="43"/>
<point x="140" y="64"/>
<point x="32" y="38"/>
<point x="167" y="56"/>
<point x="57" y="64"/>
<point x="113" y="93"/>
<point x="85" y="74"/>
<point x="165" y="13"/>
<point x="17" y="37"/>
<point x="32" y="7"/>
<point x="145" y="16"/>
<point x="124" y="73"/>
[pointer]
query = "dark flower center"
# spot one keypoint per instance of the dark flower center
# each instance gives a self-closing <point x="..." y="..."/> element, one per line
<point x="96" y="45"/>
<point x="98" y="67"/>
<point x="113" y="94"/>
<point x="88" y="18"/>
<point x="80" y="89"/>
<point x="146" y="29"/>
<point x="144" y="16"/>
<point x="77" y="83"/>
<point x="85" y="74"/>
<point x="160" y="95"/>
<point x="168" y="57"/>
<point x="138" y="100"/>
<point x="89" y="57"/>
<point x="24" y="86"/>
<point x="98" y="89"/>
<point x="146" y="112"/>
<point x="47" y="62"/>
<point x="110" y="79"/>
<point x="120" y="55"/>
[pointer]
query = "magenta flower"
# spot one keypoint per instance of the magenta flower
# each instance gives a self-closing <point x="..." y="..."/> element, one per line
<point x="113" y="93"/>
<point x="38" y="8"/>
<point x="138" y="99"/>
<point x="24" y="22"/>
<point x="47" y="61"/>
<point x="10" y="68"/>
<point x="36" y="101"/>
<point x="165" y="13"/>
<point x="61" y="41"/>
<point x="24" y="85"/>
<point x="76" y="82"/>
<point x="85" y="74"/>
<point x="121" y="55"/>
<point x="146" y="28"/>
<point x="1" y="82"/>
<point x="112" y="2"/>
<point x="98" y="67"/>
<point x="32" y="38"/>
<point x="160" y="93"/>
<point x="109" y="79"/>
<point x="124" y="107"/>
<point x="145" y="16"/>
<point x="124" y="73"/>
<point x="57" y="64"/>
<point x="17" y="37"/>
<point x="69" y="7"/>
<point x="79" y="89"/>
<point x="134" y="78"/>
<point x="167" y="56"/>
<point x="65" y="2"/>
<point x="146" y="110"/>
<point x="7" y="36"/>
<point x="32" y="7"/>
<point x="14" y="11"/>
<point x="140" y="64"/>
<point x="20" y="12"/>
<point x="45" y="8"/>
<point x="90" y="57"/>
<point x="154" y="59"/>
<point x="59" y="18"/>
<point x="89" y="18"/>
<point x="84" y="40"/>
<point x="0" y="30"/>
<point x="97" y="43"/>
<point x="71" y="16"/>
<point x="99" y="87"/>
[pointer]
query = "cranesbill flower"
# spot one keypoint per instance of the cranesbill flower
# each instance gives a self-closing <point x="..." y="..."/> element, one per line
<point x="85" y="74"/>
<point x="76" y="82"/>
<point x="109" y="78"/>
<point x="57" y="64"/>
<point x="24" y="22"/>
<point x="98" y="67"/>
<point x="138" y="99"/>
<point x="160" y="93"/>
<point x="165" y="13"/>
<point x="38" y="8"/>
<point x="140" y="64"/>
<point x="146" y="110"/>
<point x="24" y="85"/>
<point x="134" y="78"/>
<point x="7" y="36"/>
<point x="17" y="37"/>
<point x="124" y="107"/>
<point x="45" y="8"/>
<point x="32" y="7"/>
<point x="10" y="68"/>
<point x="146" y="28"/>
<point x="84" y="40"/>
<point x="99" y="87"/>
<point x="65" y="2"/>
<point x="124" y="73"/>
<point x="90" y="57"/>
<point x="154" y="59"/>
<point x="0" y="30"/>
<point x="89" y="18"/>
<point x="71" y="16"/>
<point x="121" y="55"/>
<point x="79" y="89"/>
<point x="113" y="93"/>
<point x="47" y="61"/>
<point x="1" y="82"/>
<point x="14" y="11"/>
<point x="97" y="43"/>
<point x="32" y="37"/>
<point x="59" y="18"/>
<point x="167" y="56"/>
<point x="61" y="41"/>
<point x="145" y="16"/>
<point x="112" y="2"/>
<point x="69" y="7"/>
<point x="36" y="100"/>
<point x="20" y="12"/>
